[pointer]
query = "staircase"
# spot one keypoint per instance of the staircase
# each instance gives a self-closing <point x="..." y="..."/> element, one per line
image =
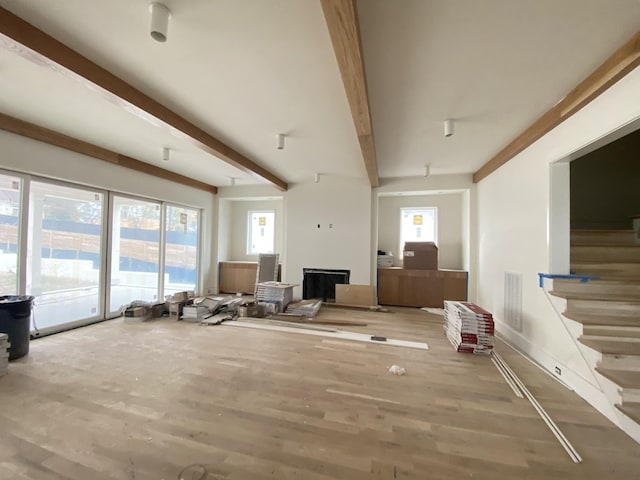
<point x="608" y="308"/>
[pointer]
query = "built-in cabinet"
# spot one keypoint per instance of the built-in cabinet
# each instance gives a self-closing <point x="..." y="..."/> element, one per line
<point x="420" y="288"/>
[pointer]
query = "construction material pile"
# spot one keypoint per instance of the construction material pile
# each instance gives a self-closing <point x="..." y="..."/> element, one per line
<point x="305" y="308"/>
<point x="4" y="354"/>
<point x="274" y="295"/>
<point x="206" y="307"/>
<point x="468" y="327"/>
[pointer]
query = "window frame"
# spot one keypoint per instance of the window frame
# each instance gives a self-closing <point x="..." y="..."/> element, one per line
<point x="417" y="209"/>
<point x="250" y="213"/>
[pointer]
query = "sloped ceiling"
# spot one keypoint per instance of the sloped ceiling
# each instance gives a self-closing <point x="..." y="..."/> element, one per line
<point x="246" y="70"/>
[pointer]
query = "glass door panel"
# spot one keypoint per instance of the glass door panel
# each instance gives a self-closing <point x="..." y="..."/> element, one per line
<point x="181" y="249"/>
<point x="64" y="255"/>
<point x="135" y="252"/>
<point x="10" y="199"/>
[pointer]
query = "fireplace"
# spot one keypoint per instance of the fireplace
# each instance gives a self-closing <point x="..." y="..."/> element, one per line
<point x="321" y="282"/>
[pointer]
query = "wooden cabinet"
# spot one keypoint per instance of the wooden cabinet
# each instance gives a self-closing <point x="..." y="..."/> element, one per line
<point x="238" y="277"/>
<point x="420" y="288"/>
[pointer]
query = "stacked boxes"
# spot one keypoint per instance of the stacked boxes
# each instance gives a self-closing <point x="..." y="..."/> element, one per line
<point x="468" y="327"/>
<point x="177" y="303"/>
<point x="274" y="295"/>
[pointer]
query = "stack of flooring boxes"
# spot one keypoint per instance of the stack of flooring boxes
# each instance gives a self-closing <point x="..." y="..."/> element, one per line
<point x="274" y="295"/>
<point x="468" y="327"/>
<point x="4" y="354"/>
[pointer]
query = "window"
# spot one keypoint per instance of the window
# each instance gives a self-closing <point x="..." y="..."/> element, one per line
<point x="64" y="259"/>
<point x="10" y="199"/>
<point x="135" y="247"/>
<point x="84" y="252"/>
<point x="418" y="225"/>
<point x="260" y="232"/>
<point x="181" y="249"/>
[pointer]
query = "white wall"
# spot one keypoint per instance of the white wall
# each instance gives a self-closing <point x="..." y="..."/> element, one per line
<point x="449" y="226"/>
<point x="514" y="232"/>
<point x="344" y="204"/>
<point x="36" y="158"/>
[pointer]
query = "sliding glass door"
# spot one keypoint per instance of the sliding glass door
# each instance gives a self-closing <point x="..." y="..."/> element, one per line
<point x="64" y="260"/>
<point x="135" y="251"/>
<point x="181" y="249"/>
<point x="10" y="201"/>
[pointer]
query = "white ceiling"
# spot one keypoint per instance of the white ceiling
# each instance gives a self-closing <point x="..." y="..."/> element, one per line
<point x="245" y="70"/>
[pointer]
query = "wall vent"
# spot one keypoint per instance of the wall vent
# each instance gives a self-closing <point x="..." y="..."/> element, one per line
<point x="513" y="300"/>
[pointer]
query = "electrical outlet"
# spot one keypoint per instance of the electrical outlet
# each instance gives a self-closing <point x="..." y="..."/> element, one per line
<point x="558" y="371"/>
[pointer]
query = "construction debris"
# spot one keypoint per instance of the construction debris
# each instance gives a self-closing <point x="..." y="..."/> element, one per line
<point x="305" y="308"/>
<point x="468" y="327"/>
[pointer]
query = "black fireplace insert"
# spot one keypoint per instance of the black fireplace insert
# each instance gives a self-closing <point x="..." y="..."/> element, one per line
<point x="321" y="282"/>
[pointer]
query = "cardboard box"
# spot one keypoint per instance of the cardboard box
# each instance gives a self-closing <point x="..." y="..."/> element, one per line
<point x="420" y="256"/>
<point x="349" y="294"/>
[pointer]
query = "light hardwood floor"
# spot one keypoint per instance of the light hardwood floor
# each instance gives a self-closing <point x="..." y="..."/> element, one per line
<point x="141" y="401"/>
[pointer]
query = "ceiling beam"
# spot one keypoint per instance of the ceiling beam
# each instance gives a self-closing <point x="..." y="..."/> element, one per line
<point x="344" y="29"/>
<point x="20" y="35"/>
<point x="36" y="132"/>
<point x="623" y="61"/>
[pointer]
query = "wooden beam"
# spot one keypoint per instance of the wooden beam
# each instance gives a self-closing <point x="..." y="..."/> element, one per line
<point x="344" y="29"/>
<point x="36" y="132"/>
<point x="623" y="61"/>
<point x="19" y="34"/>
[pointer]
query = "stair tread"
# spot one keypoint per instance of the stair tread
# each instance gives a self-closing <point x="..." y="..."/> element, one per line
<point x="593" y="319"/>
<point x="631" y="409"/>
<point x="624" y="331"/>
<point x="625" y="297"/>
<point x="597" y="281"/>
<point x="621" y="347"/>
<point x="624" y="378"/>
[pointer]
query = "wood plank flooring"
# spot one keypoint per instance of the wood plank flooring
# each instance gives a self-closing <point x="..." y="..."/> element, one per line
<point x="141" y="401"/>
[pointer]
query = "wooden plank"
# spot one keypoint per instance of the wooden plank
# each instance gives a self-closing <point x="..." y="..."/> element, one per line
<point x="344" y="29"/>
<point x="36" y="132"/>
<point x="350" y="294"/>
<point x="613" y="69"/>
<point x="23" y="38"/>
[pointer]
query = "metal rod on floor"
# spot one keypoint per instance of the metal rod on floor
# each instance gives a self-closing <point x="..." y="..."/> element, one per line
<point x="543" y="414"/>
<point x="506" y="377"/>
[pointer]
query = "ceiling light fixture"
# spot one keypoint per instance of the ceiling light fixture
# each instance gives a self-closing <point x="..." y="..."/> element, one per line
<point x="166" y="153"/>
<point x="281" y="141"/>
<point x="160" y="16"/>
<point x="448" y="128"/>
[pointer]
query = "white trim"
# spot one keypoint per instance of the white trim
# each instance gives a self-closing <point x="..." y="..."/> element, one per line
<point x="339" y="334"/>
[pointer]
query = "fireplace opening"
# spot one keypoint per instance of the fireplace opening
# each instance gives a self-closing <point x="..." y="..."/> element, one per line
<point x="321" y="283"/>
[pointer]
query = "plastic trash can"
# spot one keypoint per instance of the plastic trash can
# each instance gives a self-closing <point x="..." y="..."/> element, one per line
<point x="15" y="321"/>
